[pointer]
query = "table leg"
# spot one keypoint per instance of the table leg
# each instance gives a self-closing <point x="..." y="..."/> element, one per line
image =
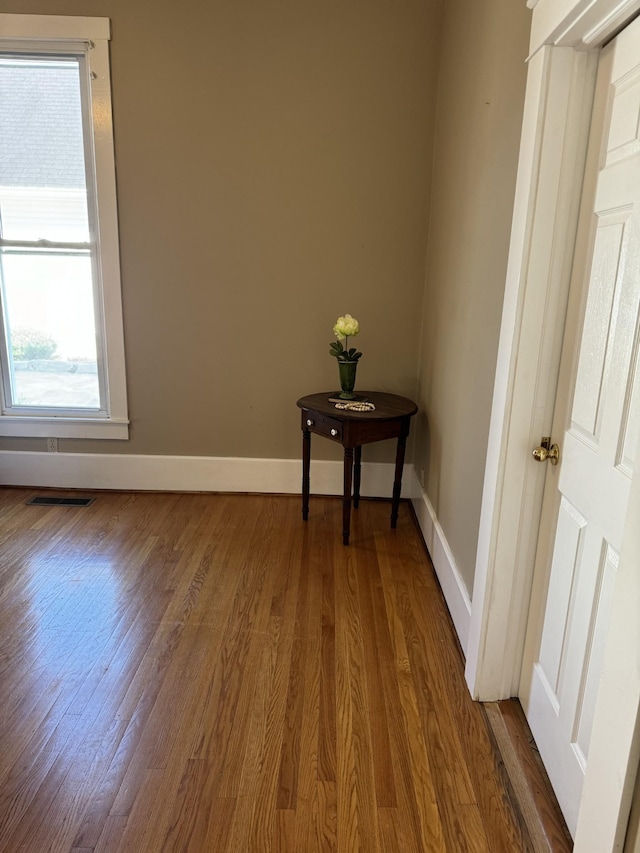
<point x="397" y="482"/>
<point x="346" y="498"/>
<point x="356" y="476"/>
<point x="306" y="465"/>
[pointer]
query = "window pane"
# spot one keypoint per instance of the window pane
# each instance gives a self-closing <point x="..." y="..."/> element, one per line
<point x="50" y="327"/>
<point x="43" y="191"/>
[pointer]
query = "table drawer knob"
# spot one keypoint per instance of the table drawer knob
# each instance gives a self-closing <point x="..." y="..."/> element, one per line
<point x="309" y="422"/>
<point x="334" y="432"/>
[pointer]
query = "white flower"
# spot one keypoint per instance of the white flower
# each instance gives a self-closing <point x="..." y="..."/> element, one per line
<point x="346" y="327"/>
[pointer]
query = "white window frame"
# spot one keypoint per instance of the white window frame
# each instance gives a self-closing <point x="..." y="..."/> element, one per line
<point x="91" y="37"/>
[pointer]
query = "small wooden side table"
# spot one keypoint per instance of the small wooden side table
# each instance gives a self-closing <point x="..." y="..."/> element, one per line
<point x="390" y="419"/>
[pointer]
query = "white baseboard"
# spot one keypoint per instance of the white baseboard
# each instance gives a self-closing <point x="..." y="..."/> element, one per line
<point x="190" y="474"/>
<point x="454" y="590"/>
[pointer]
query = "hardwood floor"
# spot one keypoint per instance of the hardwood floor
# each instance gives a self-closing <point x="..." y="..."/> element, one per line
<point x="192" y="672"/>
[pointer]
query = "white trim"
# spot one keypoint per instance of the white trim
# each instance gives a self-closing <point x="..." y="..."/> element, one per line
<point x="453" y="587"/>
<point x="555" y="129"/>
<point x="47" y="31"/>
<point x="48" y="427"/>
<point x="131" y="472"/>
<point x="108" y="254"/>
<point x="580" y="24"/>
<point x="54" y="27"/>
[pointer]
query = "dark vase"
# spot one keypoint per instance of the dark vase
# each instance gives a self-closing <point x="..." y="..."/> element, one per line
<point x="347" y="371"/>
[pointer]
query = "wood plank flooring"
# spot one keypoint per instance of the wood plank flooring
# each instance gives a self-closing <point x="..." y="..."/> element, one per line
<point x="191" y="672"/>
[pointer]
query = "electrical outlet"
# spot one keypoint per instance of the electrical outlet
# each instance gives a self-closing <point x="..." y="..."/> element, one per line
<point x="52" y="445"/>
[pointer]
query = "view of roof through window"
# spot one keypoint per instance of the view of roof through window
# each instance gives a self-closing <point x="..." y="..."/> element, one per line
<point x="48" y="300"/>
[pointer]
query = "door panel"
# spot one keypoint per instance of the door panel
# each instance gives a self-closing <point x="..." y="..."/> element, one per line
<point x="596" y="423"/>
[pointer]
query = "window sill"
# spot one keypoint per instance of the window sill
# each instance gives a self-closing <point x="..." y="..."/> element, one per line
<point x="40" y="427"/>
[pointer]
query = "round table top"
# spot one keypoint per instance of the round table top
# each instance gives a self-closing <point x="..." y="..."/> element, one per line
<point x="387" y="406"/>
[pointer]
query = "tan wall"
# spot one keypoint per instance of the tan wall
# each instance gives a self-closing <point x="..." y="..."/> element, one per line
<point x="480" y="101"/>
<point x="273" y="166"/>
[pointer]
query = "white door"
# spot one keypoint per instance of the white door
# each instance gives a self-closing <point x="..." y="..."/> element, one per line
<point x="596" y="424"/>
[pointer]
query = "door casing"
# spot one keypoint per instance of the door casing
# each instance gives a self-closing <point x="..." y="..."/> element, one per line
<point x="565" y="42"/>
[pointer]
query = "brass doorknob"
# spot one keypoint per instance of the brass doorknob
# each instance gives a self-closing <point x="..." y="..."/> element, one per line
<point x="542" y="453"/>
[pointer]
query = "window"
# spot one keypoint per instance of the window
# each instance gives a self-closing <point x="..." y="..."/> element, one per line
<point x="61" y="337"/>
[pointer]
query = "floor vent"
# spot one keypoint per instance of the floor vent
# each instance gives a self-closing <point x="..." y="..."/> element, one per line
<point x="47" y="501"/>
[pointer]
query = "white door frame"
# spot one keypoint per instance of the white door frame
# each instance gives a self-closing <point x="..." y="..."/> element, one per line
<point x="565" y="40"/>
